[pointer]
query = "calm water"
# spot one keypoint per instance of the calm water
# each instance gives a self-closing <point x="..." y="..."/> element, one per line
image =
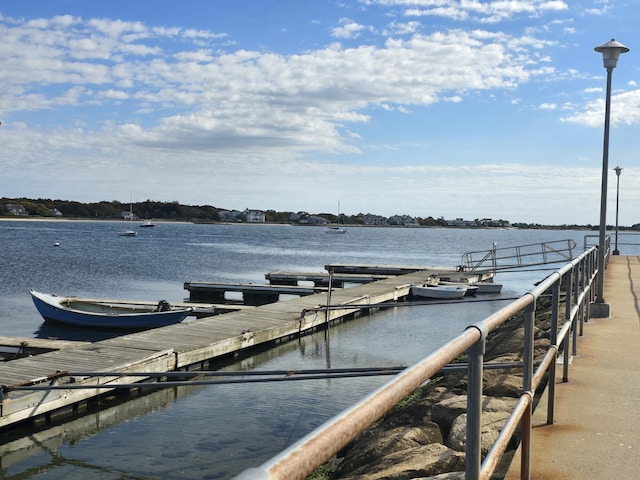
<point x="215" y="432"/>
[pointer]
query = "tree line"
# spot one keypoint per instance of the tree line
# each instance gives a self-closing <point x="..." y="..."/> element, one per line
<point x="175" y="211"/>
<point x="149" y="209"/>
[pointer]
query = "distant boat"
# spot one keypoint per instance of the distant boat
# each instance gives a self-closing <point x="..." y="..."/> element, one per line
<point x="337" y="229"/>
<point x="107" y="314"/>
<point x="130" y="232"/>
<point x="147" y="225"/>
<point x="441" y="292"/>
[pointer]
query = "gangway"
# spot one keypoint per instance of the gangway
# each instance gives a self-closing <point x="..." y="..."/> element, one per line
<point x="530" y="255"/>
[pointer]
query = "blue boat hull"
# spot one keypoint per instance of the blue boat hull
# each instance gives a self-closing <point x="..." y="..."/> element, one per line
<point x="52" y="309"/>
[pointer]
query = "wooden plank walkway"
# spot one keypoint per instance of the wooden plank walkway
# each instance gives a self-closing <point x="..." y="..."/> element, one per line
<point x="445" y="273"/>
<point x="178" y="346"/>
<point x="252" y="293"/>
<point x="320" y="279"/>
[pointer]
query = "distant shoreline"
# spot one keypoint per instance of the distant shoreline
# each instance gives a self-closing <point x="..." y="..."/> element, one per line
<point x="53" y="219"/>
<point x="346" y="225"/>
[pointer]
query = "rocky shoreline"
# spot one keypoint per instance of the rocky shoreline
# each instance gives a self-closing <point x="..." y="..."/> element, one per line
<point x="425" y="436"/>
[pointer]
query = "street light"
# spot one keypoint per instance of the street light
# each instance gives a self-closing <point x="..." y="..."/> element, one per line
<point x="610" y="53"/>
<point x="617" y="170"/>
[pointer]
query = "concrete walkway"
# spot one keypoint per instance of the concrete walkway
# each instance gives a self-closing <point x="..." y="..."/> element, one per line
<point x="596" y="430"/>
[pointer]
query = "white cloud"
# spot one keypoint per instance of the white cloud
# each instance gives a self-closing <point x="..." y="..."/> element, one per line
<point x="348" y="29"/>
<point x="247" y="100"/>
<point x="486" y="12"/>
<point x="625" y="109"/>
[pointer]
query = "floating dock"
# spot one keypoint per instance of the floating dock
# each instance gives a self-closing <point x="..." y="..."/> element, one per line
<point x="183" y="346"/>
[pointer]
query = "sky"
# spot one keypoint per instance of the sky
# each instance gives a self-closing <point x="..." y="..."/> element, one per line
<point x="443" y="108"/>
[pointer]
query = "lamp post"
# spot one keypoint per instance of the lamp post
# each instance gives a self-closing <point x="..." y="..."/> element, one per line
<point x="610" y="53"/>
<point x="617" y="170"/>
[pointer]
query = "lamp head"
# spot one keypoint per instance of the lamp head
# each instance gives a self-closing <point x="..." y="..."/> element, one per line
<point x="618" y="170"/>
<point x="611" y="52"/>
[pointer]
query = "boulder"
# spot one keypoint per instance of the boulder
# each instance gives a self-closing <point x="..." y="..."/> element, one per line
<point x="419" y="462"/>
<point x="446" y="411"/>
<point x="492" y="423"/>
<point x="369" y="449"/>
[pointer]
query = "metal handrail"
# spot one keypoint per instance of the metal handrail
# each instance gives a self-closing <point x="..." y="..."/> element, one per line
<point x="558" y="251"/>
<point x="577" y="277"/>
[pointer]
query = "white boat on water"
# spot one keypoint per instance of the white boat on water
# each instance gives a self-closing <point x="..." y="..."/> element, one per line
<point x="441" y="292"/>
<point x="130" y="232"/>
<point x="480" y="287"/>
<point x="336" y="229"/>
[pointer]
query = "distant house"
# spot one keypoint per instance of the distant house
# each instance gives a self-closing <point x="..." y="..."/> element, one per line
<point x="229" y="215"/>
<point x="56" y="213"/>
<point x="305" y="218"/>
<point x="370" y="219"/>
<point x="460" y="222"/>
<point x="16" y="209"/>
<point x="127" y="215"/>
<point x="403" y="220"/>
<point x="489" y="222"/>
<point x="254" y="216"/>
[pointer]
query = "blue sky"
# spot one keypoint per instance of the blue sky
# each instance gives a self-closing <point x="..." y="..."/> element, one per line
<point x="443" y="108"/>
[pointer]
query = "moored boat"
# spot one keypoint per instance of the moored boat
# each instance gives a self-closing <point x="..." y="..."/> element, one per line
<point x="107" y="314"/>
<point x="441" y="292"/>
<point x="480" y="287"/>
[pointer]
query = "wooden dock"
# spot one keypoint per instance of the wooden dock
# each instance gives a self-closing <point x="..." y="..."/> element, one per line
<point x="187" y="345"/>
<point x="321" y="279"/>
<point x="252" y="293"/>
<point x="444" y="273"/>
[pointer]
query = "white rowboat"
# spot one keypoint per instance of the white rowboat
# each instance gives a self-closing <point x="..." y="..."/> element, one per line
<point x="442" y="292"/>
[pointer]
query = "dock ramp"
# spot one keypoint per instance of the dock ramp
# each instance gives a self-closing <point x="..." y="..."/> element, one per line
<point x="530" y="255"/>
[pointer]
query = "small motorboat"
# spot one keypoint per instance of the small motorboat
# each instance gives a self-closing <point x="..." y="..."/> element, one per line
<point x="441" y="292"/>
<point x="335" y="230"/>
<point x="107" y="314"/>
<point x="147" y="225"/>
<point x="480" y="287"/>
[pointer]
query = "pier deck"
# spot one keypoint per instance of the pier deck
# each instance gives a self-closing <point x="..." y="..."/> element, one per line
<point x="595" y="432"/>
<point x="320" y="279"/>
<point x="177" y="346"/>
<point x="252" y="293"/>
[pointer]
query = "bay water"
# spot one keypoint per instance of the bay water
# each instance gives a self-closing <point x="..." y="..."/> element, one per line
<point x="215" y="432"/>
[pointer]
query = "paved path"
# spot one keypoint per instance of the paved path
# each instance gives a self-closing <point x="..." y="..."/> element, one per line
<point x="596" y="432"/>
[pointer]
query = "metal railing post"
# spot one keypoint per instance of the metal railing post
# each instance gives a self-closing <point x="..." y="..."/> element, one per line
<point x="567" y="317"/>
<point x="475" y="356"/>
<point x="577" y="319"/>
<point x="527" y="382"/>
<point x="576" y="295"/>
<point x="553" y="340"/>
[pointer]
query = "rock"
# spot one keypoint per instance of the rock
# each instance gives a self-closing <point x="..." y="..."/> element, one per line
<point x="419" y="462"/>
<point x="504" y="385"/>
<point x="368" y="449"/>
<point x="445" y="476"/>
<point x="445" y="412"/>
<point x="492" y="423"/>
